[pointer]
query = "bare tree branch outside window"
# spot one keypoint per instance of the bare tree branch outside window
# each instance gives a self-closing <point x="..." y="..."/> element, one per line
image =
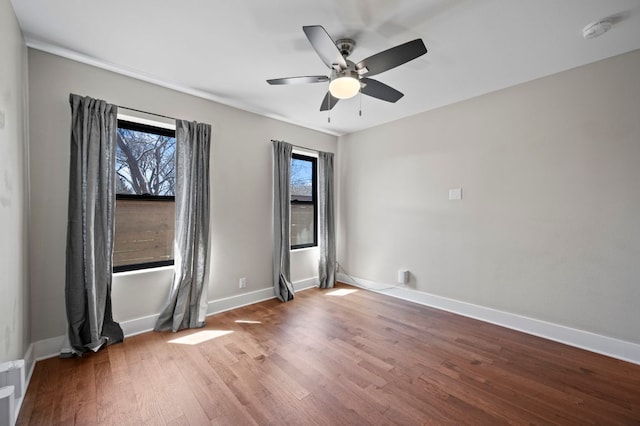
<point x="301" y="177"/>
<point x="145" y="163"/>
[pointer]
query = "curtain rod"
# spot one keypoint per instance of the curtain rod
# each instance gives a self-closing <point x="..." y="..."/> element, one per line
<point x="298" y="146"/>
<point x="146" y="112"/>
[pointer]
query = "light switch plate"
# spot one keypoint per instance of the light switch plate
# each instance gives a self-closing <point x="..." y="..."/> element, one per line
<point x="455" y="194"/>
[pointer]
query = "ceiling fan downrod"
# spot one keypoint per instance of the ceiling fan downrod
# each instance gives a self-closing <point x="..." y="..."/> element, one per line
<point x="345" y="46"/>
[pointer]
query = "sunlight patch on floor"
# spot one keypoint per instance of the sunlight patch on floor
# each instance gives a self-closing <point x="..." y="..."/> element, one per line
<point x="200" y="336"/>
<point x="341" y="292"/>
<point x="248" y="322"/>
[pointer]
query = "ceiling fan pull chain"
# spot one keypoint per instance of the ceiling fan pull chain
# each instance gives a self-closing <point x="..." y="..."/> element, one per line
<point x="360" y="112"/>
<point x="328" y="109"/>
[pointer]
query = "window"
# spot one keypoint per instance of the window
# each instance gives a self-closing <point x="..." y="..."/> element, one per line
<point x="145" y="197"/>
<point x="304" y="207"/>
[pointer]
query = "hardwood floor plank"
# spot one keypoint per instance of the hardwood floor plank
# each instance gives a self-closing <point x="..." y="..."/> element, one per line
<point x="158" y="382"/>
<point x="210" y="390"/>
<point x="362" y="358"/>
<point x="352" y="396"/>
<point x="84" y="389"/>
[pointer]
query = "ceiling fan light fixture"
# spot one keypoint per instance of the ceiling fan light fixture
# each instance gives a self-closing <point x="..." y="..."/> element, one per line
<point x="344" y="87"/>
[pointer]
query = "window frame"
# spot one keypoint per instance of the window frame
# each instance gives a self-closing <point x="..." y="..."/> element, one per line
<point x="163" y="131"/>
<point x="313" y="202"/>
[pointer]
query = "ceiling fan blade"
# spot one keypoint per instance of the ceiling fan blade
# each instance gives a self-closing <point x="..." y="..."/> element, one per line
<point x="299" y="80"/>
<point x="391" y="58"/>
<point x="328" y="102"/>
<point x="379" y="90"/>
<point x="324" y="46"/>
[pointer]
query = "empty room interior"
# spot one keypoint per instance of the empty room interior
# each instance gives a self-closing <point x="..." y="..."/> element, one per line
<point x="296" y="212"/>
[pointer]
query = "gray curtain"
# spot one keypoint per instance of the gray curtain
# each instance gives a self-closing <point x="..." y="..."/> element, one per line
<point x="186" y="306"/>
<point x="90" y="226"/>
<point x="281" y="221"/>
<point x="326" y="221"/>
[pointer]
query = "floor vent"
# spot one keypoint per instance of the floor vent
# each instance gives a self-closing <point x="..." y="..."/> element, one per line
<point x="12" y="389"/>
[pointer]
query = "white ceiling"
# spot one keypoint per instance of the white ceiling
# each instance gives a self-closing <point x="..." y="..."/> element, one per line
<point x="224" y="50"/>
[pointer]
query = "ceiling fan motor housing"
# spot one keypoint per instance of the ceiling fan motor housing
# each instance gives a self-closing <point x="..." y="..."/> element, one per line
<point x="350" y="71"/>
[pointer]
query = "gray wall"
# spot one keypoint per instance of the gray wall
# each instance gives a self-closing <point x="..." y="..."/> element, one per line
<point x="549" y="223"/>
<point x="241" y="168"/>
<point x="14" y="313"/>
<point x="547" y="227"/>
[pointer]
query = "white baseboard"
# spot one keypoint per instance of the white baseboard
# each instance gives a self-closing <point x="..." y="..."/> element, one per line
<point x="145" y="324"/>
<point x="620" y="349"/>
<point x="615" y="348"/>
<point x="49" y="348"/>
<point x="306" y="284"/>
<point x="139" y="325"/>
<point x="240" y="300"/>
<point x="29" y="362"/>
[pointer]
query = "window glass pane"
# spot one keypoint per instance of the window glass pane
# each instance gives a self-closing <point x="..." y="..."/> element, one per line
<point x="301" y="179"/>
<point x="145" y="206"/>
<point x="301" y="224"/>
<point x="302" y="202"/>
<point x="145" y="163"/>
<point x="143" y="231"/>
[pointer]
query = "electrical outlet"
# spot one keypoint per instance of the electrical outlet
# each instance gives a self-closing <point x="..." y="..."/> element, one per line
<point x="242" y="283"/>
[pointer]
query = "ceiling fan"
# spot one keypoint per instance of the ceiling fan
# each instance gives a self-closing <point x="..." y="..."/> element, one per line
<point x="347" y="78"/>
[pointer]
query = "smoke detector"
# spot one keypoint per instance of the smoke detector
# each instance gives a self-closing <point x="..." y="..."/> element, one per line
<point x="596" y="29"/>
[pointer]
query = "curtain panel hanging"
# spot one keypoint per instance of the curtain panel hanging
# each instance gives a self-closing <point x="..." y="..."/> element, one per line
<point x="186" y="306"/>
<point x="326" y="221"/>
<point x="282" y="285"/>
<point x="90" y="226"/>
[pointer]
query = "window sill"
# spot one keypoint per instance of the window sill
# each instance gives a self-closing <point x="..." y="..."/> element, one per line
<point x="143" y="271"/>
<point x="303" y="249"/>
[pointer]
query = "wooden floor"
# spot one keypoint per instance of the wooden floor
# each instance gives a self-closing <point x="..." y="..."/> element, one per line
<point x="357" y="359"/>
